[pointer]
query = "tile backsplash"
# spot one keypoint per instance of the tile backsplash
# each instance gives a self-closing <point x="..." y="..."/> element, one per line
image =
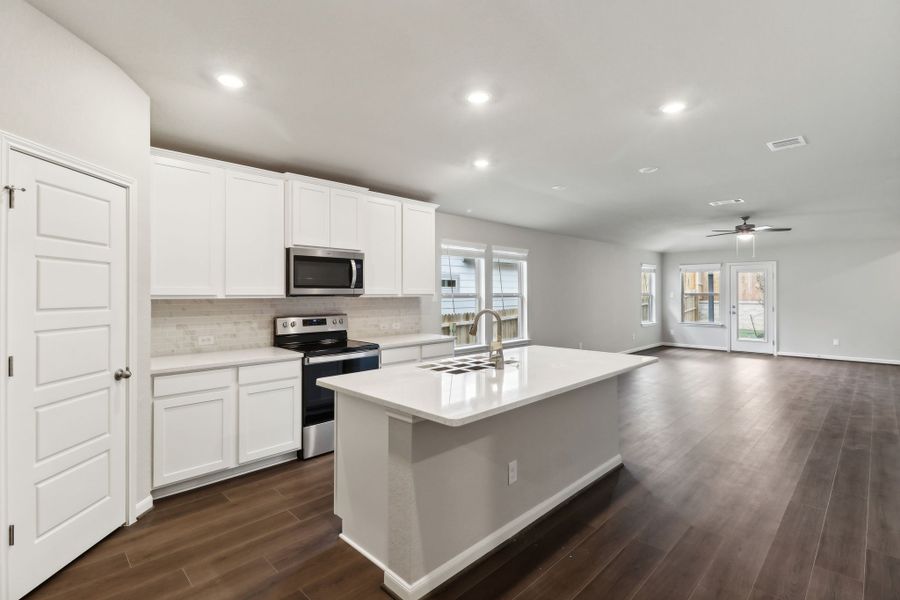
<point x="177" y="325"/>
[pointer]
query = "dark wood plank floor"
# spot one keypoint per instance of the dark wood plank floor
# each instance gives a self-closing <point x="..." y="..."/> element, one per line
<point x="745" y="477"/>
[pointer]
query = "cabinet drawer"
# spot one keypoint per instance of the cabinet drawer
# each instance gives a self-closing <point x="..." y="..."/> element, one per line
<point x="399" y="355"/>
<point x="436" y="350"/>
<point x="269" y="372"/>
<point x="197" y="381"/>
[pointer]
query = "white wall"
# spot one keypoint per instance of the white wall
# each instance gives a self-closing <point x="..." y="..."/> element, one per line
<point x="61" y="93"/>
<point x="579" y="291"/>
<point x="849" y="291"/>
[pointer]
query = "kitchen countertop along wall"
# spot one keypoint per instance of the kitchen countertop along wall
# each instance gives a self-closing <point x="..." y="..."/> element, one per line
<point x="177" y="325"/>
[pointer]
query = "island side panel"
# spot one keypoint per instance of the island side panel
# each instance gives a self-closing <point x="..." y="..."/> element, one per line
<point x="450" y="501"/>
<point x="360" y="474"/>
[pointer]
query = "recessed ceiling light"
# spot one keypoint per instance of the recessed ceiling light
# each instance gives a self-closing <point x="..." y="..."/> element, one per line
<point x="481" y="163"/>
<point x="230" y="80"/>
<point x="558" y="188"/>
<point x="724" y="202"/>
<point x="478" y="97"/>
<point x="673" y="108"/>
<point x="648" y="170"/>
<point x="468" y="210"/>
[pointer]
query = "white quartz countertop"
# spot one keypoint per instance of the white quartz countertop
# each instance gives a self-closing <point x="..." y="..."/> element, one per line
<point x="459" y="399"/>
<point x="411" y="339"/>
<point x="198" y="361"/>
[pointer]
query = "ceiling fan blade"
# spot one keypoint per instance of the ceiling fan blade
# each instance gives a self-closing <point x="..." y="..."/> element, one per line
<point x="762" y="228"/>
<point x="718" y="234"/>
<point x="723" y="230"/>
<point x="778" y="229"/>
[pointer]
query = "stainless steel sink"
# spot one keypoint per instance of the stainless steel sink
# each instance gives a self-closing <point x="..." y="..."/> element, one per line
<point x="463" y="364"/>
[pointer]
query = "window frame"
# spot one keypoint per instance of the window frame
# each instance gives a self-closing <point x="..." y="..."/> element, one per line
<point x="520" y="258"/>
<point x="477" y="253"/>
<point x="653" y="302"/>
<point x="718" y="321"/>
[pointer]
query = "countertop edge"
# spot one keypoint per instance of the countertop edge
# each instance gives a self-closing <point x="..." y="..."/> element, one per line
<point x="451" y="422"/>
<point x="218" y="364"/>
<point x="434" y="338"/>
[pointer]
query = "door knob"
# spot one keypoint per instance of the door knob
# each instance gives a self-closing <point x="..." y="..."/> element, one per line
<point x="123" y="373"/>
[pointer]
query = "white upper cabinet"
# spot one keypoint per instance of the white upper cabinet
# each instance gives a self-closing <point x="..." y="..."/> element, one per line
<point x="419" y="259"/>
<point x="254" y="235"/>
<point x="346" y="212"/>
<point x="309" y="215"/>
<point x="382" y="245"/>
<point x="321" y="215"/>
<point x="187" y="225"/>
<point x="217" y="230"/>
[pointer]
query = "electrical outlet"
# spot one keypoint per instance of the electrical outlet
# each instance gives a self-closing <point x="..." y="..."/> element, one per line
<point x="581" y="345"/>
<point x="836" y="342"/>
<point x="671" y="294"/>
<point x="206" y="340"/>
<point x="513" y="472"/>
<point x="633" y="336"/>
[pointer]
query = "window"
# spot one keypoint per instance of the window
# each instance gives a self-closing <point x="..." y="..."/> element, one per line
<point x="648" y="294"/>
<point x="700" y="294"/>
<point x="508" y="289"/>
<point x="462" y="290"/>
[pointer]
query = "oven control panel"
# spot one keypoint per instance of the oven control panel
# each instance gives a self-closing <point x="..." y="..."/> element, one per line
<point x="310" y="324"/>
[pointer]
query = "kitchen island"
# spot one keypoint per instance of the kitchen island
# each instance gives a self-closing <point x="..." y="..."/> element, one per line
<point x="437" y="464"/>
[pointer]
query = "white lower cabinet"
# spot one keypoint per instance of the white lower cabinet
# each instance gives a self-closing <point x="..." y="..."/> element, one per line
<point x="193" y="434"/>
<point x="209" y="421"/>
<point x="268" y="419"/>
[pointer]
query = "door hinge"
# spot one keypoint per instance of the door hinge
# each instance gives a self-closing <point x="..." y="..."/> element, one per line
<point x="9" y="366"/>
<point x="12" y="535"/>
<point x="12" y="194"/>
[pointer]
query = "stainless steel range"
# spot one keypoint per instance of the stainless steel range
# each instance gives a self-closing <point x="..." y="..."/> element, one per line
<point x="322" y="340"/>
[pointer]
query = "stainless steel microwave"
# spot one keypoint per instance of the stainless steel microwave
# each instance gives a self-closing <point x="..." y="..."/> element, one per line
<point x="324" y="272"/>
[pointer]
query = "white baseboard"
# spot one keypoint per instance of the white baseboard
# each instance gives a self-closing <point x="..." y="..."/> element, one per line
<point x="190" y="484"/>
<point x="143" y="506"/>
<point x="413" y="591"/>
<point x="879" y="361"/>
<point x="695" y="346"/>
<point x="641" y="348"/>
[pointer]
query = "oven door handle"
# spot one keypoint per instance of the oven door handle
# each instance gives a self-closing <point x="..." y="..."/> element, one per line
<point x="353" y="271"/>
<point x="318" y="360"/>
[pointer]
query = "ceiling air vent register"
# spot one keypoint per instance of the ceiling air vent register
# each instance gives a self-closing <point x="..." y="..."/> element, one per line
<point x="794" y="142"/>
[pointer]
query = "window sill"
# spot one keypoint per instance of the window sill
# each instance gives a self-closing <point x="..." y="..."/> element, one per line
<point x="648" y="324"/>
<point x="703" y="324"/>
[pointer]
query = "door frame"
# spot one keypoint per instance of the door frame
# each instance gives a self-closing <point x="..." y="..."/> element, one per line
<point x="732" y="294"/>
<point x="8" y="144"/>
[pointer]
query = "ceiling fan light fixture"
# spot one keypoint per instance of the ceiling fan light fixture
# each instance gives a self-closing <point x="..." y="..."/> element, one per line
<point x="745" y="236"/>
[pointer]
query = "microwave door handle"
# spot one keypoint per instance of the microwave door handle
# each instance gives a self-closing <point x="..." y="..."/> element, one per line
<point x="353" y="273"/>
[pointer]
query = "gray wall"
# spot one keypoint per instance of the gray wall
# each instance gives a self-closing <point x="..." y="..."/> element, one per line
<point x="579" y="291"/>
<point x="61" y="93"/>
<point x="848" y="291"/>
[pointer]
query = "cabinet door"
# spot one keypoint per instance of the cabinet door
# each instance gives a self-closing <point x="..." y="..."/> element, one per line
<point x="268" y="419"/>
<point x="186" y="208"/>
<point x="193" y="434"/>
<point x="254" y="235"/>
<point x="382" y="246"/>
<point x="309" y="214"/>
<point x="418" y="250"/>
<point x="345" y="219"/>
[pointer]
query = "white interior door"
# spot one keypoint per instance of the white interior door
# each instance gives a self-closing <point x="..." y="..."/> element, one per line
<point x="752" y="295"/>
<point x="67" y="336"/>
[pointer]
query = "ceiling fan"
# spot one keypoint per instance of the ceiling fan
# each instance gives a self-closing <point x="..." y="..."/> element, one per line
<point x="745" y="230"/>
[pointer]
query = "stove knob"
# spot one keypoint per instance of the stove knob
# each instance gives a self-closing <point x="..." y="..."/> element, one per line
<point x="293" y="323"/>
<point x="342" y="321"/>
<point x="334" y="321"/>
<point x="284" y="324"/>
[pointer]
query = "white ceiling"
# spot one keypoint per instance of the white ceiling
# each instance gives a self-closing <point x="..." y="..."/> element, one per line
<point x="372" y="92"/>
